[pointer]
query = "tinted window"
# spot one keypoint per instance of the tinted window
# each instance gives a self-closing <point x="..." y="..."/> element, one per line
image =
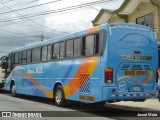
<point x="69" y="49"/>
<point x="49" y="55"/>
<point x="20" y="57"/>
<point x="16" y="58"/>
<point x="88" y="45"/>
<point x="36" y="55"/>
<point x="44" y="53"/>
<point x="56" y="51"/>
<point x="77" y="47"/>
<point x="96" y="44"/>
<point x="24" y="59"/>
<point x="28" y="56"/>
<point x="62" y="51"/>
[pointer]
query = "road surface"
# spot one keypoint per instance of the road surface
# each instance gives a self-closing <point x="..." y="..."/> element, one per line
<point x="75" y="110"/>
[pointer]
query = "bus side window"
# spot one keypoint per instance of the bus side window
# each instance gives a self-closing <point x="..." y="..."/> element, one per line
<point x="12" y="60"/>
<point x="96" y="44"/>
<point x="88" y="45"/>
<point x="62" y="50"/>
<point x="28" y="56"/>
<point x="56" y="51"/>
<point x="44" y="53"/>
<point x="20" y="57"/>
<point x="49" y="53"/>
<point x="69" y="49"/>
<point x="36" y="55"/>
<point x="15" y="58"/>
<point x="77" y="47"/>
<point x="24" y="59"/>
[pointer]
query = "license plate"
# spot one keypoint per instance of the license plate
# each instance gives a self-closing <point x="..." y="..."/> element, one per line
<point x="137" y="72"/>
<point x="136" y="88"/>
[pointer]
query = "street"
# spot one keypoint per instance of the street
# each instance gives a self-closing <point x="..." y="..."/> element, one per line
<point x="75" y="109"/>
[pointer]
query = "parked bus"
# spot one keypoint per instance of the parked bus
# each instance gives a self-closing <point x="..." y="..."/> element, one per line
<point x="107" y="63"/>
<point x="2" y="73"/>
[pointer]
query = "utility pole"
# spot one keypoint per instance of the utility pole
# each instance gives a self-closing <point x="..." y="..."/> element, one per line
<point x="42" y="37"/>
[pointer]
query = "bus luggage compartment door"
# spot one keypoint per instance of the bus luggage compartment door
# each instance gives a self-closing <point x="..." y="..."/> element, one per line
<point x="135" y="77"/>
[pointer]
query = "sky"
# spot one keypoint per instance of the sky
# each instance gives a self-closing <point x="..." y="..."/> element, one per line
<point x="25" y="22"/>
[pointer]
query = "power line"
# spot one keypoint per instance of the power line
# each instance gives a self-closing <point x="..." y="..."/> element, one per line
<point x="28" y="18"/>
<point x="8" y="1"/>
<point x="29" y="7"/>
<point x="19" y="4"/>
<point x="55" y="11"/>
<point x="89" y="6"/>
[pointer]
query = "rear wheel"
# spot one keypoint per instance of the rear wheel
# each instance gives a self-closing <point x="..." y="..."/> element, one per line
<point x="13" y="89"/>
<point x="59" y="97"/>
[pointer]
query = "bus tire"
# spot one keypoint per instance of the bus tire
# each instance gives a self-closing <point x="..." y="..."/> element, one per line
<point x="59" y="97"/>
<point x="13" y="89"/>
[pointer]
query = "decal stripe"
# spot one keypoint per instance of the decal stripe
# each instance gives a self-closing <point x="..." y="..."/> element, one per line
<point x="87" y="66"/>
<point x="48" y="93"/>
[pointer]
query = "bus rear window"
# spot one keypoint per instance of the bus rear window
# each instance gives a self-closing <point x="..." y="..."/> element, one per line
<point x="130" y="38"/>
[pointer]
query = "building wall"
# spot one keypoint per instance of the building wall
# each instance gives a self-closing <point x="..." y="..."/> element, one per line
<point x="143" y="9"/>
<point x="115" y="19"/>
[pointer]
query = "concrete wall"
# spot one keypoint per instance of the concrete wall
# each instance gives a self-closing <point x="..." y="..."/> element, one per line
<point x="143" y="9"/>
<point x="115" y="19"/>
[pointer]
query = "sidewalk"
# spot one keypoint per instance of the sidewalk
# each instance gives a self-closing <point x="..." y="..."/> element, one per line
<point x="149" y="104"/>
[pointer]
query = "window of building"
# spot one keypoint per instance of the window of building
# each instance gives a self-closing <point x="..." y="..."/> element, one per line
<point x="77" y="47"/>
<point x="29" y="56"/>
<point x="36" y="55"/>
<point x="146" y="20"/>
<point x="24" y="55"/>
<point x="69" y="49"/>
<point x="44" y="53"/>
<point x="56" y="51"/>
<point x="62" y="50"/>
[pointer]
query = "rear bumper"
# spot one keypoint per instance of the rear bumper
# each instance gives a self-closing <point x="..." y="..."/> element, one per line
<point x="108" y="95"/>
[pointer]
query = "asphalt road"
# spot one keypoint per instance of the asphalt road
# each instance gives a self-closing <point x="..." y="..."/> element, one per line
<point x="74" y="110"/>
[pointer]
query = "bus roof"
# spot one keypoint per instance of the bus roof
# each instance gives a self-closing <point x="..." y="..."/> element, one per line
<point x="79" y="34"/>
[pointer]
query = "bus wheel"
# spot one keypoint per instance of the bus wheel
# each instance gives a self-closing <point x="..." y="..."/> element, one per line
<point x="59" y="96"/>
<point x="13" y="89"/>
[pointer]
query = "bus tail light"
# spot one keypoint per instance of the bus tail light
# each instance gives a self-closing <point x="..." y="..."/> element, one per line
<point x="108" y="75"/>
<point x="157" y="75"/>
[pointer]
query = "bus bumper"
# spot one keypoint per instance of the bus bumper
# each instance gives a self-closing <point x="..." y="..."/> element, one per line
<point x="109" y="95"/>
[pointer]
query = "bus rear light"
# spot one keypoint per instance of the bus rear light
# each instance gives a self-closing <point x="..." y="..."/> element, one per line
<point x="137" y="52"/>
<point x="113" y="90"/>
<point x="108" y="75"/>
<point x="157" y="75"/>
<point x="131" y="94"/>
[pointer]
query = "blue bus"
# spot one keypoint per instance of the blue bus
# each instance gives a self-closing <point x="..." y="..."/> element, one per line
<point x="107" y="63"/>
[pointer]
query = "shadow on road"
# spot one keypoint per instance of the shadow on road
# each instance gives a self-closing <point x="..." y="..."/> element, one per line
<point x="108" y="110"/>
